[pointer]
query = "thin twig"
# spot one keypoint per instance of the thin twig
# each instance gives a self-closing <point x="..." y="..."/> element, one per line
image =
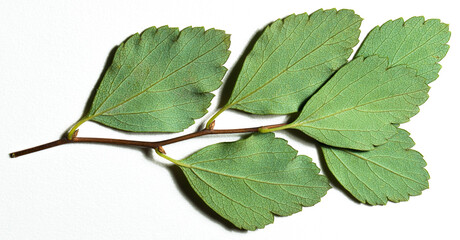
<point x="144" y="144"/>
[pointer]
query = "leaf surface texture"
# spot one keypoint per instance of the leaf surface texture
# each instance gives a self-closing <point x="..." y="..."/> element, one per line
<point x="358" y="107"/>
<point x="250" y="180"/>
<point x="391" y="171"/>
<point x="292" y="58"/>
<point x="160" y="80"/>
<point x="417" y="43"/>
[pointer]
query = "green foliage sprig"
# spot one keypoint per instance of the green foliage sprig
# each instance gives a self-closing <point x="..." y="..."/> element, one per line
<point x="161" y="81"/>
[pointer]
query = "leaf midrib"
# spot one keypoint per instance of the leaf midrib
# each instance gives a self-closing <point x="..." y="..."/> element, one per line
<point x="381" y="166"/>
<point x="300" y="89"/>
<point x="137" y="65"/>
<point x="160" y="80"/>
<point x="357" y="106"/>
<point x="419" y="46"/>
<point x="286" y="69"/>
<point x="356" y="176"/>
<point x="343" y="89"/>
<point x="192" y="168"/>
<point x="231" y="199"/>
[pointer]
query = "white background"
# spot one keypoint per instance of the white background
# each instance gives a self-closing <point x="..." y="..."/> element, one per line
<point x="51" y="56"/>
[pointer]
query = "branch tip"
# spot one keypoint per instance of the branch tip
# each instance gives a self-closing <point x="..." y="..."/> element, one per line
<point x="72" y="138"/>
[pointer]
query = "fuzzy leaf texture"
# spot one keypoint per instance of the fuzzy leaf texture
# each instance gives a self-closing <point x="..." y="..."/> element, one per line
<point x="391" y="171"/>
<point x="292" y="58"/>
<point x="417" y="43"/>
<point x="358" y="107"/>
<point x="250" y="180"/>
<point x="160" y="81"/>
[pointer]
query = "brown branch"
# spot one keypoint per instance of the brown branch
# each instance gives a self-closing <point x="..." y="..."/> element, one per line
<point x="76" y="139"/>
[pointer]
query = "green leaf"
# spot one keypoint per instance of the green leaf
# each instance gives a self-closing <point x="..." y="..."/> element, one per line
<point x="417" y="43"/>
<point x="391" y="171"/>
<point x="292" y="59"/>
<point x="357" y="108"/>
<point x="248" y="181"/>
<point x="160" y="81"/>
